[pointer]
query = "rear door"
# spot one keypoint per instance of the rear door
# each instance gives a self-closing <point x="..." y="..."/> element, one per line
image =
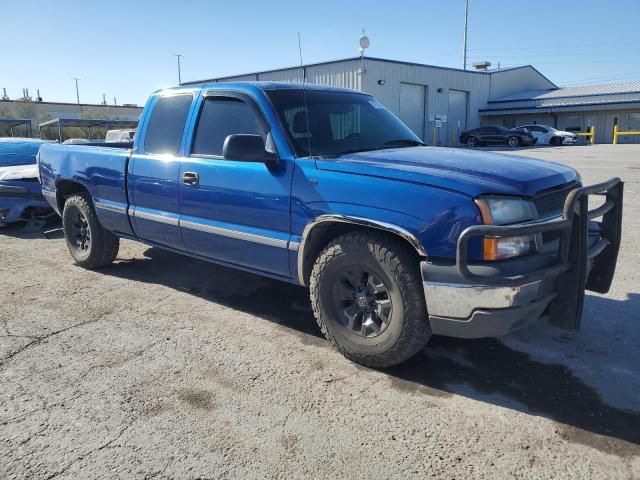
<point x="154" y="171"/>
<point x="236" y="212"/>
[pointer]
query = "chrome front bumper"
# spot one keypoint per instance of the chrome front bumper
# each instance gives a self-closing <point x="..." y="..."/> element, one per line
<point x="475" y="311"/>
<point x="488" y="299"/>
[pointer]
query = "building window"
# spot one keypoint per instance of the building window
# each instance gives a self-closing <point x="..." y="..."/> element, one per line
<point x="573" y="123"/>
<point x="634" y="122"/>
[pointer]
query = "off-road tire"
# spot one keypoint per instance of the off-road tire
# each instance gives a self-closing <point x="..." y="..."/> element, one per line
<point x="408" y="330"/>
<point x="103" y="246"/>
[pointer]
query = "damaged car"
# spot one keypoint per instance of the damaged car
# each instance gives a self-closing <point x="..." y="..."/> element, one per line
<point x="20" y="191"/>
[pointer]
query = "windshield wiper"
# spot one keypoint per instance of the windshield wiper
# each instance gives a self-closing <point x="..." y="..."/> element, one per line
<point x="403" y="142"/>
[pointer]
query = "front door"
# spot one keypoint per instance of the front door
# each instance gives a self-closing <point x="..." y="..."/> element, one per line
<point x="154" y="172"/>
<point x="234" y="211"/>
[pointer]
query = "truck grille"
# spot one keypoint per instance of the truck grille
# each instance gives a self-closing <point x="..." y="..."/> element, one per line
<point x="550" y="202"/>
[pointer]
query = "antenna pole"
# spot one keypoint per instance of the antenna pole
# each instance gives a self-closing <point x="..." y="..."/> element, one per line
<point x="77" y="92"/>
<point x="304" y="93"/>
<point x="464" y="48"/>
<point x="179" y="72"/>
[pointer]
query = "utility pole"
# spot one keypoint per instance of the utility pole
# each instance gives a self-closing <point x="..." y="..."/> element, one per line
<point x="77" y="94"/>
<point x="179" y="73"/>
<point x="464" y="51"/>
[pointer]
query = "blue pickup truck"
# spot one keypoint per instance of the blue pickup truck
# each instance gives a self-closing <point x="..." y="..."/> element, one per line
<point x="325" y="188"/>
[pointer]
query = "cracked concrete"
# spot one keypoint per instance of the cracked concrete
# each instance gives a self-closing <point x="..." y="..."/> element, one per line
<point x="162" y="366"/>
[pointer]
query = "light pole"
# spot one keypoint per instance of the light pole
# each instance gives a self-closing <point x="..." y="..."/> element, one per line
<point x="179" y="73"/>
<point x="77" y="94"/>
<point x="464" y="51"/>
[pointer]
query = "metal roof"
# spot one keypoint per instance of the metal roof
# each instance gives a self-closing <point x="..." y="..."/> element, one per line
<point x="262" y="85"/>
<point x="89" y="122"/>
<point x="572" y="92"/>
<point x="74" y="104"/>
<point x="15" y="122"/>
<point x="351" y="59"/>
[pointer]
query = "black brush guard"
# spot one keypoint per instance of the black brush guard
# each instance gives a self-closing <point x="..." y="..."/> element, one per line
<point x="580" y="265"/>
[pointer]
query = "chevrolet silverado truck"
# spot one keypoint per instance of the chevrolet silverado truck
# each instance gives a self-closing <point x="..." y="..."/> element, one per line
<point x="325" y="188"/>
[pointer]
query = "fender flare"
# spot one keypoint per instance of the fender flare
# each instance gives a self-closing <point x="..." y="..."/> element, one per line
<point x="360" y="221"/>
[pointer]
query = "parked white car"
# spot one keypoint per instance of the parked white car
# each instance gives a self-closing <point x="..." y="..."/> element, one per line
<point x="547" y="135"/>
<point x="120" y="135"/>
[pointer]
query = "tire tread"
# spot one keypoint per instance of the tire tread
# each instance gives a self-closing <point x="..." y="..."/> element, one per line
<point x="104" y="244"/>
<point x="403" y="265"/>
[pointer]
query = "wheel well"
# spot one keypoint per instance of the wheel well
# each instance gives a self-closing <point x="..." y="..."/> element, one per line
<point x="66" y="188"/>
<point x="323" y="233"/>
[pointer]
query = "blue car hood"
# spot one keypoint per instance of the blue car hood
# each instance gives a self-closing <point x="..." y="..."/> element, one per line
<point x="467" y="172"/>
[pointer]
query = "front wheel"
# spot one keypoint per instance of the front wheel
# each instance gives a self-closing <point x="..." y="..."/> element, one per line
<point x="91" y="246"/>
<point x="472" y="142"/>
<point x="366" y="293"/>
<point x="513" y="142"/>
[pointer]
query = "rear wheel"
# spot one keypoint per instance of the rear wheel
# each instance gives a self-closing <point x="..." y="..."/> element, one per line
<point x="366" y="293"/>
<point x="513" y="142"/>
<point x="91" y="246"/>
<point x="472" y="142"/>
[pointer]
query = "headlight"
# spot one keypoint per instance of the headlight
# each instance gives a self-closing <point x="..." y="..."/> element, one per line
<point x="506" y="211"/>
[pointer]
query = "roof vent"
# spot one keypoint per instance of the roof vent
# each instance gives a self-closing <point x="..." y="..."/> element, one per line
<point x="484" y="65"/>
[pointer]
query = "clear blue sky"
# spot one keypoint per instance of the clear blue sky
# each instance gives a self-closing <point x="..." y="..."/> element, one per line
<point x="124" y="48"/>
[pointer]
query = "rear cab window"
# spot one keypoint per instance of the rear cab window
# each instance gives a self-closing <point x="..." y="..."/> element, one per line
<point x="166" y="124"/>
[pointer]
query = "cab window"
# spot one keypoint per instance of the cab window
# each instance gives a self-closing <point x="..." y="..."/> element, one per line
<point x="221" y="117"/>
<point x="164" y="132"/>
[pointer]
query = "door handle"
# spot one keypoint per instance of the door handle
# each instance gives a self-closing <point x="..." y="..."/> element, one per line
<point x="190" y="178"/>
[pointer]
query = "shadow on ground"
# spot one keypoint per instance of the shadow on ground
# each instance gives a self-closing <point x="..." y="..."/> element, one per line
<point x="32" y="229"/>
<point x="485" y="369"/>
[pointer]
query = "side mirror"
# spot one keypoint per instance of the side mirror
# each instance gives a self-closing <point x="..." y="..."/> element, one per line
<point x="247" y="148"/>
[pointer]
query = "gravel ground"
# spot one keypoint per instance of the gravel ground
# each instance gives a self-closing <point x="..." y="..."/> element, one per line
<point x="161" y="366"/>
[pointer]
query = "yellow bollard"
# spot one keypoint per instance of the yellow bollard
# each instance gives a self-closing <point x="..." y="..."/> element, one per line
<point x="615" y="134"/>
<point x="592" y="130"/>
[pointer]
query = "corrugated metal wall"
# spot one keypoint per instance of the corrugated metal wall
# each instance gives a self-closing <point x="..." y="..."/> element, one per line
<point x="434" y="78"/>
<point x="507" y="82"/>
<point x="383" y="79"/>
<point x="602" y="120"/>
<point x="339" y="74"/>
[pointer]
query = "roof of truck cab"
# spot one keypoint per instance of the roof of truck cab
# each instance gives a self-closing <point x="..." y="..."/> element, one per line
<point x="261" y="85"/>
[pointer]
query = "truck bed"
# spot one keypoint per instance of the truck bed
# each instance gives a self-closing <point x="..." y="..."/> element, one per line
<point x="100" y="168"/>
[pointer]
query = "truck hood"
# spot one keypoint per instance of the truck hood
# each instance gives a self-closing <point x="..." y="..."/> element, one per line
<point x="464" y="171"/>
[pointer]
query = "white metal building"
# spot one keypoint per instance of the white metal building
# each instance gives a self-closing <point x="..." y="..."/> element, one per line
<point x="575" y="109"/>
<point x="437" y="103"/>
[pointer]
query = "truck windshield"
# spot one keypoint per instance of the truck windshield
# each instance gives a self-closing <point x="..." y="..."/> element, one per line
<point x="338" y="122"/>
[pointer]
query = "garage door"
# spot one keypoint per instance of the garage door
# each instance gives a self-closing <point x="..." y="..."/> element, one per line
<point x="413" y="100"/>
<point x="457" y="114"/>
